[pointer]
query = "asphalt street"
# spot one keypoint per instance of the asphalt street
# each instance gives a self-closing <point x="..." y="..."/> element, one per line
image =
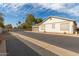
<point x="17" y="48"/>
<point x="67" y="42"/>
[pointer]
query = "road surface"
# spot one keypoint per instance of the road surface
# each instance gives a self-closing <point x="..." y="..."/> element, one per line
<point x="66" y="42"/>
<point x="17" y="48"/>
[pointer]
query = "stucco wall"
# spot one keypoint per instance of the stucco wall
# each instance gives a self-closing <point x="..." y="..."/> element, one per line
<point x="48" y="26"/>
<point x="52" y="20"/>
<point x="42" y="28"/>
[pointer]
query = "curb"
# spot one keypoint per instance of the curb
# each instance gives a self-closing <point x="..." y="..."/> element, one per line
<point x="72" y="35"/>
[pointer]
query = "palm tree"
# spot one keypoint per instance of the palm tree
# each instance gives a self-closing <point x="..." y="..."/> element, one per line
<point x="19" y="22"/>
<point x="19" y="25"/>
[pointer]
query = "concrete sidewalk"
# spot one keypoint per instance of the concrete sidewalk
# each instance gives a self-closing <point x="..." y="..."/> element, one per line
<point x="2" y="45"/>
<point x="3" y="48"/>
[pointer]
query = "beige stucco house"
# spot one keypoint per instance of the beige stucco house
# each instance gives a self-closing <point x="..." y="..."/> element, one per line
<point x="57" y="24"/>
<point x="35" y="28"/>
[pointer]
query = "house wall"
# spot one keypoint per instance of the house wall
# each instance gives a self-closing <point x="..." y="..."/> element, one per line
<point x="48" y="28"/>
<point x="42" y="28"/>
<point x="72" y="27"/>
<point x="52" y="27"/>
<point x="35" y="28"/>
<point x="49" y="23"/>
<point x="52" y="20"/>
<point x="65" y="27"/>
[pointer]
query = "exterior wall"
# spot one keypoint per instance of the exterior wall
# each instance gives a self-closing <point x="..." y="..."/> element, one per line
<point x="35" y="28"/>
<point x="51" y="28"/>
<point x="42" y="28"/>
<point x="47" y="26"/>
<point x="57" y="27"/>
<point x="65" y="27"/>
<point x="73" y="28"/>
<point x="52" y="20"/>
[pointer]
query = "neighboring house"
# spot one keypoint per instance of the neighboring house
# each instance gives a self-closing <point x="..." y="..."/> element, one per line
<point x="57" y="24"/>
<point x="35" y="27"/>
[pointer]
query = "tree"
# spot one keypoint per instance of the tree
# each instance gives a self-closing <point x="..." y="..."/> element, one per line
<point x="19" y="22"/>
<point x="9" y="27"/>
<point x="29" y="21"/>
<point x="24" y="25"/>
<point x="1" y="25"/>
<point x="30" y="18"/>
<point x="38" y="20"/>
<point x="1" y="21"/>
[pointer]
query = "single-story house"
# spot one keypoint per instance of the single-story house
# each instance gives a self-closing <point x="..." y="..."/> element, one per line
<point x="56" y="24"/>
<point x="35" y="28"/>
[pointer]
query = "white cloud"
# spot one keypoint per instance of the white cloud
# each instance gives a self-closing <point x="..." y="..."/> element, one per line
<point x="54" y="6"/>
<point x="63" y="7"/>
<point x="74" y="11"/>
<point x="13" y="6"/>
<point x="59" y="7"/>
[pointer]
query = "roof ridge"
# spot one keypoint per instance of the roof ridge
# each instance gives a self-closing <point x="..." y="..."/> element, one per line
<point x="63" y="18"/>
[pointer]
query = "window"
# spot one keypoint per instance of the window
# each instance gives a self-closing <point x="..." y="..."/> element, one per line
<point x="53" y="26"/>
<point x="64" y="27"/>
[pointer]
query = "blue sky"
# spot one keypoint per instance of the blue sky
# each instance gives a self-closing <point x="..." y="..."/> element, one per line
<point x="14" y="12"/>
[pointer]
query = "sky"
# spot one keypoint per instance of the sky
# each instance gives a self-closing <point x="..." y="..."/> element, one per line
<point x="14" y="12"/>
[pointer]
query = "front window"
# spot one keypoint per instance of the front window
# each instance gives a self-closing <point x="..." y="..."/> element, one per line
<point x="53" y="26"/>
<point x="64" y="27"/>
